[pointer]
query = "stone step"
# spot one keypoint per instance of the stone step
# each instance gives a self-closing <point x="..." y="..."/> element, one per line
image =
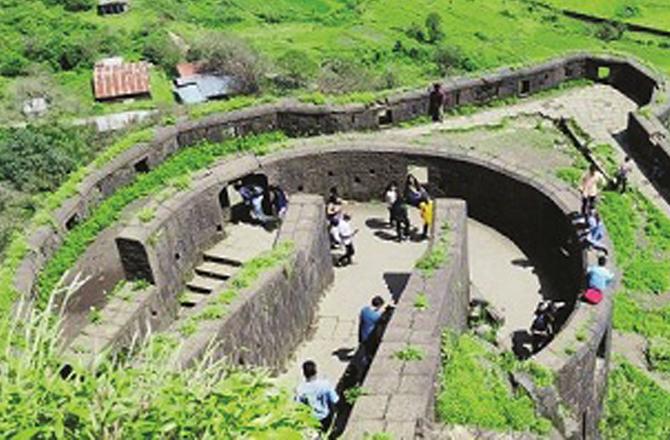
<point x="206" y="285"/>
<point x="191" y="299"/>
<point x="213" y="269"/>
<point x="219" y="256"/>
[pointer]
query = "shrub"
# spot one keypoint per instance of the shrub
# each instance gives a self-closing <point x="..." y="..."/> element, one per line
<point x="159" y="48"/>
<point x="297" y="69"/>
<point x="450" y="58"/>
<point x="434" y="27"/>
<point x="610" y="31"/>
<point x="658" y="354"/>
<point x="342" y="75"/>
<point x="224" y="54"/>
<point x="38" y="158"/>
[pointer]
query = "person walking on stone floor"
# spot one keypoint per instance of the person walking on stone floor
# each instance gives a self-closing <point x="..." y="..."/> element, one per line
<point x="426" y="206"/>
<point x="436" y="102"/>
<point x="401" y="219"/>
<point x="346" y="235"/>
<point x="368" y="319"/>
<point x="318" y="394"/>
<point x="390" y="196"/>
<point x="589" y="188"/>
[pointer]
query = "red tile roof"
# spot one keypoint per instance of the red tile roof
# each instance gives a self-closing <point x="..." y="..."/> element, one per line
<point x="120" y="80"/>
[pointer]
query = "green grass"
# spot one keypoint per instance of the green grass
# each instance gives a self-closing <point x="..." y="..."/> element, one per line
<point x="410" y="353"/>
<point x="421" y="302"/>
<point x="474" y="390"/>
<point x="184" y="162"/>
<point x="652" y="13"/>
<point x="637" y="408"/>
<point x="436" y="257"/>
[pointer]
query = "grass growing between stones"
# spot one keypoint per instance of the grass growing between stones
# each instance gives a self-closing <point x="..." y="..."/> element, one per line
<point x="437" y="255"/>
<point x="184" y="162"/>
<point x="251" y="271"/>
<point x="475" y="391"/>
<point x="143" y="397"/>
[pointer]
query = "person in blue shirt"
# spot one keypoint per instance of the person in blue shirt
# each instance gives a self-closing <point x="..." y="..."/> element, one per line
<point x="599" y="277"/>
<point x="318" y="394"/>
<point x="368" y="318"/>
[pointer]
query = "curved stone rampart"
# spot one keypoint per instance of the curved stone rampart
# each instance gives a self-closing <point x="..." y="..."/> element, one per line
<point x="303" y="119"/>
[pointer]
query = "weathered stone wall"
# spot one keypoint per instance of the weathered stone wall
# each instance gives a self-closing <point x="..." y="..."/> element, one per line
<point x="399" y="393"/>
<point x="302" y="119"/>
<point x="270" y="319"/>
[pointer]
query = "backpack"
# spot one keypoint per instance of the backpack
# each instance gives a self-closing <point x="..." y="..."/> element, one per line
<point x="593" y="296"/>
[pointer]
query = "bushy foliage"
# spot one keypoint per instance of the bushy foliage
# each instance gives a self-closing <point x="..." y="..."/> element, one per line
<point x="637" y="408"/>
<point x="449" y="58"/>
<point x="434" y="27"/>
<point x="38" y="158"/>
<point x="158" y="47"/>
<point x="225" y="54"/>
<point x="473" y="390"/>
<point x="297" y="69"/>
<point x="140" y="397"/>
<point x="658" y="354"/>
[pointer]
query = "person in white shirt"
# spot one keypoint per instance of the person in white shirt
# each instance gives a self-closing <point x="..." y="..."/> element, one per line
<point x="390" y="197"/>
<point x="346" y="233"/>
<point x="318" y="394"/>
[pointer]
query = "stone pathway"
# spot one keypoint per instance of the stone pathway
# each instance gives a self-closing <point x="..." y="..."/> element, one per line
<point x="381" y="267"/>
<point x="505" y="277"/>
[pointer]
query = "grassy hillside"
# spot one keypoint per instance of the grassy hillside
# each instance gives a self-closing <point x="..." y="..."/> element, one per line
<point x="652" y="13"/>
<point x="382" y="38"/>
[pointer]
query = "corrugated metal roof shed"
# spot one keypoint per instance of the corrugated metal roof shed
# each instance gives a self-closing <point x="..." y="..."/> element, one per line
<point x="113" y="78"/>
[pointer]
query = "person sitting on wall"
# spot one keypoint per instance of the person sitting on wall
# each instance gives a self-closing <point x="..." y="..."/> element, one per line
<point x="436" y="101"/>
<point x="595" y="233"/>
<point x="318" y="394"/>
<point x="542" y="329"/>
<point x="279" y="201"/>
<point x="599" y="277"/>
<point x="252" y="195"/>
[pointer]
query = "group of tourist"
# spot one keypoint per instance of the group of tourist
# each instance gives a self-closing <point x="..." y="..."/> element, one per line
<point x="265" y="203"/>
<point x="415" y="195"/>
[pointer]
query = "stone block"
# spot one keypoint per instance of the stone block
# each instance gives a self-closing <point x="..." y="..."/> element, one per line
<point x="407" y="407"/>
<point x="370" y="408"/>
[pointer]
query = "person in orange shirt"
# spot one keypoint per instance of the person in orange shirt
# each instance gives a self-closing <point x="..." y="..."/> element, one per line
<point x="426" y="206"/>
<point x="590" y="188"/>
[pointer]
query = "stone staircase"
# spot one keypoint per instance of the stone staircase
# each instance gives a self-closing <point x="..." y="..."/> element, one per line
<point x="222" y="261"/>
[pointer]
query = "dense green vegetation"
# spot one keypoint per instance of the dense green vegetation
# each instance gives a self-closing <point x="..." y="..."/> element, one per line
<point x="637" y="408"/>
<point x="143" y="398"/>
<point x="652" y="13"/>
<point x="330" y="46"/>
<point x="474" y="389"/>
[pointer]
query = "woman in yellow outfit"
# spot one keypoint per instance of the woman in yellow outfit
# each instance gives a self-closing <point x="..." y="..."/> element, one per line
<point x="426" y="207"/>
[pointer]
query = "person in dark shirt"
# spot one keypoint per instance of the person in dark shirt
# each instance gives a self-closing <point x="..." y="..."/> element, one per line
<point x="436" y="102"/>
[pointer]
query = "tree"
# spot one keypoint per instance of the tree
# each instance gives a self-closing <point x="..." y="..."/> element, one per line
<point x="161" y="50"/>
<point x="297" y="69"/>
<point x="434" y="27"/>
<point x="223" y="54"/>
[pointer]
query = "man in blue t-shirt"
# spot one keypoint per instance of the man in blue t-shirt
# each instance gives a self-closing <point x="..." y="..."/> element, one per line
<point x="319" y="394"/>
<point x="599" y="277"/>
<point x="368" y="318"/>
